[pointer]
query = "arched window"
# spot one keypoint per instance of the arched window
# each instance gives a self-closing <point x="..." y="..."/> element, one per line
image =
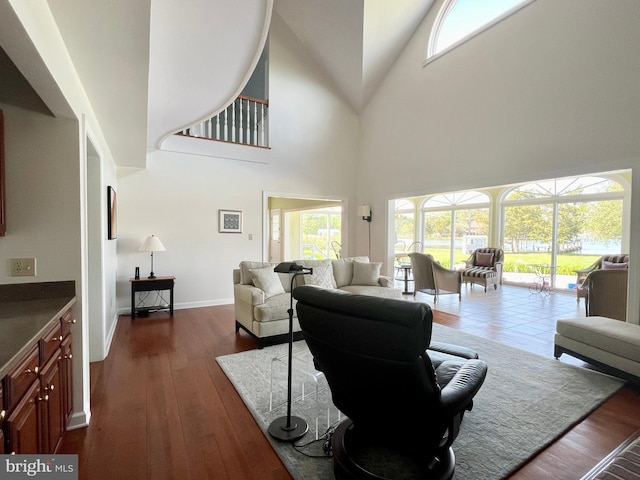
<point x="455" y="224"/>
<point x="459" y="20"/>
<point x="563" y="225"/>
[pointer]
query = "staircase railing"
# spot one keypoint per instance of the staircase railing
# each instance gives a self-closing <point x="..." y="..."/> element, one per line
<point x="245" y="121"/>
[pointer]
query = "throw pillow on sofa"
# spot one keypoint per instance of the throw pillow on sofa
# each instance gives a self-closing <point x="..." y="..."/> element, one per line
<point x="322" y="277"/>
<point x="343" y="269"/>
<point x="267" y="280"/>
<point x="366" y="273"/>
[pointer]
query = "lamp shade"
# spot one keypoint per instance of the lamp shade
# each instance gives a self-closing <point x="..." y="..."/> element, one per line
<point x="364" y="211"/>
<point x="152" y="244"/>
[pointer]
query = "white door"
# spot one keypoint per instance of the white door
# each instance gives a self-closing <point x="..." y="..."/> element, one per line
<point x="275" y="244"/>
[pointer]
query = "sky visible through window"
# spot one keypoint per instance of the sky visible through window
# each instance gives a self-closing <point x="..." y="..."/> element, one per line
<point x="466" y="16"/>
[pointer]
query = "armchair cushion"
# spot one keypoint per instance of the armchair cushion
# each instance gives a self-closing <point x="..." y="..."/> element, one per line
<point x="366" y="273"/>
<point x="484" y="259"/>
<point x="614" y="266"/>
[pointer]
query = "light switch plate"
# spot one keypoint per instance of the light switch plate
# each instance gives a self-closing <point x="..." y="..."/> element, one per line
<point x="23" y="267"/>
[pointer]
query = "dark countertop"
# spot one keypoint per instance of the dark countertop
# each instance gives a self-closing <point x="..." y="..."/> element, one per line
<point x="24" y="321"/>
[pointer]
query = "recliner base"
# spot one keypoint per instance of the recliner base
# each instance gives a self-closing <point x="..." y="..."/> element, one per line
<point x="355" y="458"/>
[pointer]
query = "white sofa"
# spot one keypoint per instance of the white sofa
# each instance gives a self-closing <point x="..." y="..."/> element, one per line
<point x="262" y="297"/>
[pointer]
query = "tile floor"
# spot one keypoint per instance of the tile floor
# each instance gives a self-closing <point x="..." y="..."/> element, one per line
<point x="511" y="314"/>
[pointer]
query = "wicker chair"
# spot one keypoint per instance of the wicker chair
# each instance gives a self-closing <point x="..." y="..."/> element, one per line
<point x="581" y="275"/>
<point x="432" y="278"/>
<point x="607" y="294"/>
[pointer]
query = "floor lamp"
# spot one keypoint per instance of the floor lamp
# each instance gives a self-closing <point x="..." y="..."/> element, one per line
<point x="290" y="428"/>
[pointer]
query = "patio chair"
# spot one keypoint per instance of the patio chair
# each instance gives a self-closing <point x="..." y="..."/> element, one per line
<point x="336" y="247"/>
<point x="484" y="267"/>
<point x="607" y="294"/>
<point x="432" y="278"/>
<point x="609" y="262"/>
<point x="403" y="263"/>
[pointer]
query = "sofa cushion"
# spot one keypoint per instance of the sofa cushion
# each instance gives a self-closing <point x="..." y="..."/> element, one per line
<point x="267" y="280"/>
<point x="274" y="308"/>
<point x="366" y="273"/>
<point x="607" y="334"/>
<point x="322" y="277"/>
<point x="343" y="269"/>
<point x="384" y="292"/>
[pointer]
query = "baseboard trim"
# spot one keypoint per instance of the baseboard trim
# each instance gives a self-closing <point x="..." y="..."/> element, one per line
<point x="79" y="420"/>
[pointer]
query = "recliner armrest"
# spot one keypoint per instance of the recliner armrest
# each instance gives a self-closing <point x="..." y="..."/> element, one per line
<point x="459" y="392"/>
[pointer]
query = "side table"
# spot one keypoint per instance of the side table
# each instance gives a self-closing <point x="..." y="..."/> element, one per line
<point x="148" y="285"/>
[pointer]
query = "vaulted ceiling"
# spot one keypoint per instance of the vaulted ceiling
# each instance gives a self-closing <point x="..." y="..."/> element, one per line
<point x="145" y="65"/>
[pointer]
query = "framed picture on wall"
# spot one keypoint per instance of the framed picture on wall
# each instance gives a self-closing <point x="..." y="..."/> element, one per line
<point x="230" y="221"/>
<point x="112" y="214"/>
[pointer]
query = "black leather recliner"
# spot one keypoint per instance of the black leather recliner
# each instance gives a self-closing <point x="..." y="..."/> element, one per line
<point x="404" y="404"/>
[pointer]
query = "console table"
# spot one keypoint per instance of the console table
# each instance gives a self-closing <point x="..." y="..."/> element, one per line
<point x="149" y="285"/>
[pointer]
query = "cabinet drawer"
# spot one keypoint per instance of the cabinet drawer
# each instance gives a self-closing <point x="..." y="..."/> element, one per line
<point x="50" y="343"/>
<point x="66" y="321"/>
<point x="21" y="378"/>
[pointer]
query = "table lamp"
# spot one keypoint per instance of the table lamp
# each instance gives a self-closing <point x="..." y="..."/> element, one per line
<point x="152" y="244"/>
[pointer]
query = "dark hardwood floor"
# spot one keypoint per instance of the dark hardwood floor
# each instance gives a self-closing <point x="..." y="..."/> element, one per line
<point x="163" y="409"/>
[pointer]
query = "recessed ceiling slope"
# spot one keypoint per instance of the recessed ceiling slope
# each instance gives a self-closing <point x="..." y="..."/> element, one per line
<point x="357" y="41"/>
<point x="108" y="43"/>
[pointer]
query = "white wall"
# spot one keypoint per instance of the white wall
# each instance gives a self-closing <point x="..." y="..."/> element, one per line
<point x="42" y="196"/>
<point x="552" y="90"/>
<point x="313" y="138"/>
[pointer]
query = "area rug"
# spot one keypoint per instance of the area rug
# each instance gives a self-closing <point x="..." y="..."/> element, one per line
<point x="526" y="402"/>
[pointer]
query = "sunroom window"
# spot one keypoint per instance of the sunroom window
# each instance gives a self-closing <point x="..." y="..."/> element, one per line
<point x="459" y="20"/>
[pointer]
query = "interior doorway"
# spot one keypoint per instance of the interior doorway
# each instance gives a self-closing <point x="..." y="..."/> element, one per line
<point x="304" y="228"/>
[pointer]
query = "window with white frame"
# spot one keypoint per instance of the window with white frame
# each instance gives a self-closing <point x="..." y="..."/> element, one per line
<point x="455" y="224"/>
<point x="459" y="20"/>
<point x="563" y="224"/>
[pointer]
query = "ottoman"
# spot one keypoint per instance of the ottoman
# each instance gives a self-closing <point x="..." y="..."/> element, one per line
<point x="612" y="345"/>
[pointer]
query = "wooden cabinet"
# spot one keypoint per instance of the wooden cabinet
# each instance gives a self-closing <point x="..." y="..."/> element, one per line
<point x="38" y="393"/>
<point x="67" y="378"/>
<point x="2" y="415"/>
<point x="22" y="425"/>
<point x="52" y="422"/>
<point x="3" y="211"/>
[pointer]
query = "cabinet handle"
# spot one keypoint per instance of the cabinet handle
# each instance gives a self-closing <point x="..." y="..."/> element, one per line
<point x="72" y="321"/>
<point x="34" y="371"/>
<point x="50" y="387"/>
<point x="2" y="414"/>
<point x="69" y="357"/>
<point x="45" y="398"/>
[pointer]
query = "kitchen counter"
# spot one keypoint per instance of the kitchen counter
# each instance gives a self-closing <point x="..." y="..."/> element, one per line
<point x="26" y="312"/>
